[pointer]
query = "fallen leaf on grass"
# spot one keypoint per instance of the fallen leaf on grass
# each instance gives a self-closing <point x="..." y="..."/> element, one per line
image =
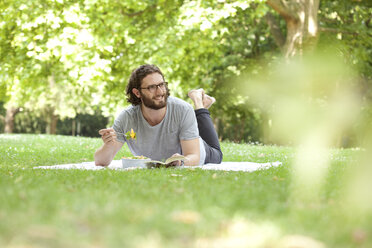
<point x="186" y="217"/>
<point x="275" y="178"/>
<point x="179" y="190"/>
<point x="42" y="232"/>
<point x="18" y="179"/>
<point x="22" y="195"/>
<point x="359" y="236"/>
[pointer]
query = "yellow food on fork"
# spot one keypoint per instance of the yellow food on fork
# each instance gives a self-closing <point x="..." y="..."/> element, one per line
<point x="132" y="134"/>
<point x="129" y="135"/>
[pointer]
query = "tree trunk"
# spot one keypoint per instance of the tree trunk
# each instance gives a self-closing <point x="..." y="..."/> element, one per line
<point x="53" y="124"/>
<point x="302" y="24"/>
<point x="73" y="127"/>
<point x="78" y="128"/>
<point x="52" y="120"/>
<point x="9" y="119"/>
<point x="267" y="129"/>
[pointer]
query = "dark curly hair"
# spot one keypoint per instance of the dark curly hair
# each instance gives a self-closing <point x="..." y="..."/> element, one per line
<point x="135" y="81"/>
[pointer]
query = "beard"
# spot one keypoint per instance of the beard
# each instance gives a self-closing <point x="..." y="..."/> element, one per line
<point x="151" y="102"/>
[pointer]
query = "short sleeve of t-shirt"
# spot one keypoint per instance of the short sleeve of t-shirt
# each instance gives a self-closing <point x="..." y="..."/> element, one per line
<point x="121" y="124"/>
<point x="189" y="128"/>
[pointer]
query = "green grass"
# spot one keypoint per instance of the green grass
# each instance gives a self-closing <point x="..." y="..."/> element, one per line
<point x="165" y="207"/>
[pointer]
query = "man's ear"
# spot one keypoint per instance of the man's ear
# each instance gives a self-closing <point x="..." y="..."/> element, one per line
<point x="136" y="92"/>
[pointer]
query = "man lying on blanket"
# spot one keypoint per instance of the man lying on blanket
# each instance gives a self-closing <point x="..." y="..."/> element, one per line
<point x="165" y="126"/>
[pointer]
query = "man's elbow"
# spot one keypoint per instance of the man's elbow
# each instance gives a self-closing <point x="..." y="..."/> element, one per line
<point x="99" y="161"/>
<point x="101" y="164"/>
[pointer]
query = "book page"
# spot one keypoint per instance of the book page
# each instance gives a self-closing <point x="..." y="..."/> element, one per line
<point x="175" y="158"/>
<point x="166" y="164"/>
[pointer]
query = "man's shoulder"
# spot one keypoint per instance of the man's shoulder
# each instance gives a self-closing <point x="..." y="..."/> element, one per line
<point x="179" y="103"/>
<point x="129" y="111"/>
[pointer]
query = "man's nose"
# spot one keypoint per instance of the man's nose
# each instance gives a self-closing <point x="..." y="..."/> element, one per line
<point x="158" y="87"/>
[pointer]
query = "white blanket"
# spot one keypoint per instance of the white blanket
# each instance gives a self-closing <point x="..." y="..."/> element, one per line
<point x="116" y="165"/>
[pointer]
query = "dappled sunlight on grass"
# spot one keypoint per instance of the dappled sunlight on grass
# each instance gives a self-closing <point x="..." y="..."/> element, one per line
<point x="45" y="149"/>
<point x="240" y="232"/>
<point x="359" y="183"/>
<point x="256" y="152"/>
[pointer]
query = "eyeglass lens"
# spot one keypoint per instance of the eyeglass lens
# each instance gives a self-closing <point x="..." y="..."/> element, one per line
<point x="153" y="88"/>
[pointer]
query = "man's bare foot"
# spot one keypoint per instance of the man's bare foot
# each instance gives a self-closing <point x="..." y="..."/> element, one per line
<point x="208" y="101"/>
<point x="197" y="97"/>
<point x="196" y="93"/>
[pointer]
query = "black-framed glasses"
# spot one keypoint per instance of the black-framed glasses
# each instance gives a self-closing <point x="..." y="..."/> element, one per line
<point x="154" y="87"/>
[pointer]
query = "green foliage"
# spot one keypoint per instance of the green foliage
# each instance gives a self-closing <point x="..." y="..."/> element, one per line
<point x="83" y="124"/>
<point x="50" y="58"/>
<point x="27" y="122"/>
<point x="230" y="40"/>
<point x="68" y="57"/>
<point x="348" y="26"/>
<point x="350" y="23"/>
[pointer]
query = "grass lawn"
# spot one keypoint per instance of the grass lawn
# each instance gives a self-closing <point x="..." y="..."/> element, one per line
<point x="168" y="207"/>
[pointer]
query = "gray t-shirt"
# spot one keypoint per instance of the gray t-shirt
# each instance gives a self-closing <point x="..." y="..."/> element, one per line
<point x="161" y="141"/>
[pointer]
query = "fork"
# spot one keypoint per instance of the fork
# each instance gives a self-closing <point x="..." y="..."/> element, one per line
<point x="125" y="135"/>
<point x="120" y="133"/>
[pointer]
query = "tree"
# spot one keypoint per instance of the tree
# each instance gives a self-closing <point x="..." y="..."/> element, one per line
<point x="301" y="17"/>
<point x="344" y="25"/>
<point x="51" y="60"/>
<point x="60" y="58"/>
<point x="136" y="31"/>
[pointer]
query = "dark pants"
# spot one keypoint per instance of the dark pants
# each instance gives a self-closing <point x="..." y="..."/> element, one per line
<point x="209" y="136"/>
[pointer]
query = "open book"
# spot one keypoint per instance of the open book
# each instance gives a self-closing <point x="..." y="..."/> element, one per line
<point x="166" y="164"/>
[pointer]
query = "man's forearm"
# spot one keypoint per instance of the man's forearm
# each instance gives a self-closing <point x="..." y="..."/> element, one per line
<point x="192" y="160"/>
<point x="104" y="155"/>
<point x="190" y="149"/>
